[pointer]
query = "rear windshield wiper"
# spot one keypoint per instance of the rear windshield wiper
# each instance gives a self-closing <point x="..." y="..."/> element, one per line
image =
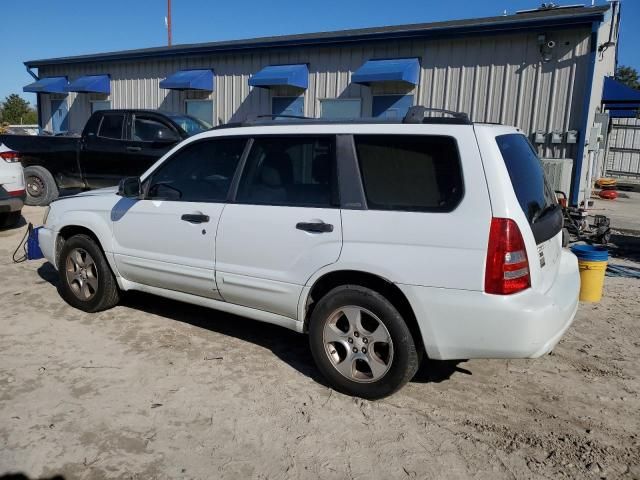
<point x="542" y="212"/>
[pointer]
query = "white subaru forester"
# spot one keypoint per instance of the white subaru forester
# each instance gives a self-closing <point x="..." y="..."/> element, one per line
<point x="383" y="241"/>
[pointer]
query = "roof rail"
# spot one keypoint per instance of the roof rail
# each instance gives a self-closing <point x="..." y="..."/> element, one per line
<point x="253" y="118"/>
<point x="418" y="114"/>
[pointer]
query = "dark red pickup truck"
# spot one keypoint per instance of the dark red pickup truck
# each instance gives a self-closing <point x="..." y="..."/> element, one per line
<point x="114" y="144"/>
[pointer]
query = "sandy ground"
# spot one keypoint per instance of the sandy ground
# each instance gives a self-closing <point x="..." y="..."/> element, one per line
<point x="159" y="389"/>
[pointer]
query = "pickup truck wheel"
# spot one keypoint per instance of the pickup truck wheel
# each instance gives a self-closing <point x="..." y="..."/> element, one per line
<point x="40" y="185"/>
<point x="86" y="280"/>
<point x="361" y="344"/>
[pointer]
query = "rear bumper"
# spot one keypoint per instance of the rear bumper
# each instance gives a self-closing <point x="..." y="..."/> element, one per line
<point x="11" y="204"/>
<point x="460" y="324"/>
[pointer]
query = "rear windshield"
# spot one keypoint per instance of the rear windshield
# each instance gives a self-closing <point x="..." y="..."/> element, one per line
<point x="527" y="176"/>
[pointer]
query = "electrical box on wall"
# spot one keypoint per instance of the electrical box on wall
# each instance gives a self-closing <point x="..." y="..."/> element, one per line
<point x="539" y="137"/>
<point x="556" y="137"/>
<point x="572" y="136"/>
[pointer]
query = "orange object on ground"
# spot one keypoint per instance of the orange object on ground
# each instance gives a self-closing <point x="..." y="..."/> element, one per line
<point x="608" y="194"/>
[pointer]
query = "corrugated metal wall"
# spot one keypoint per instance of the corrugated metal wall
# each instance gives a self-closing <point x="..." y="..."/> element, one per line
<point x="497" y="78"/>
<point x="623" y="155"/>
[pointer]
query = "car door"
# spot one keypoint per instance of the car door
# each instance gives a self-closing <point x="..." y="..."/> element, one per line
<point x="284" y="225"/>
<point x="102" y="154"/>
<point x="150" y="137"/>
<point x="167" y="239"/>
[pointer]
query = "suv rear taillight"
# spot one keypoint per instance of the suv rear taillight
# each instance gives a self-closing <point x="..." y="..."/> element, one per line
<point x="10" y="156"/>
<point x="507" y="269"/>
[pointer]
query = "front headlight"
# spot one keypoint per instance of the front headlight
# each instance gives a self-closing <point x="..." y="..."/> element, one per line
<point x="46" y="215"/>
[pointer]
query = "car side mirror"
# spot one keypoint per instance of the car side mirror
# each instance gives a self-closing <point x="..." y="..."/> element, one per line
<point x="166" y="136"/>
<point x="130" y="187"/>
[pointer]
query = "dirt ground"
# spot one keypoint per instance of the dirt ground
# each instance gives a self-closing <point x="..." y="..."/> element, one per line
<point x="159" y="389"/>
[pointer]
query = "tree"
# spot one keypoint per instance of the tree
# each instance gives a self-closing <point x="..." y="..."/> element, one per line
<point x="16" y="110"/>
<point x="628" y="76"/>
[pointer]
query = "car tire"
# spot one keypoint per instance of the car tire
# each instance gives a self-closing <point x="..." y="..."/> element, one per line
<point x="361" y="344"/>
<point x="40" y="186"/>
<point x="9" y="220"/>
<point x="86" y="280"/>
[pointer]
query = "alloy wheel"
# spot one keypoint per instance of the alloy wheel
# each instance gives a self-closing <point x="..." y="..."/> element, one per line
<point x="82" y="274"/>
<point x="358" y="344"/>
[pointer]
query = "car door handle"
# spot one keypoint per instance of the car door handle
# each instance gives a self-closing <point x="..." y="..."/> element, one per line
<point x="134" y="149"/>
<point x="315" y="227"/>
<point x="195" y="218"/>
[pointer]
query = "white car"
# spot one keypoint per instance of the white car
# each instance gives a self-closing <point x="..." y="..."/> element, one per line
<point x="384" y="241"/>
<point x="12" y="190"/>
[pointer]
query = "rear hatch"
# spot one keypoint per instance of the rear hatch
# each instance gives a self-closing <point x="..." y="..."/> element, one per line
<point x="539" y="204"/>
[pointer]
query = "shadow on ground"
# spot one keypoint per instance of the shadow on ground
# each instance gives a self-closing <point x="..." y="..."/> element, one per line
<point x="625" y="246"/>
<point x="289" y="346"/>
<point x="22" y="476"/>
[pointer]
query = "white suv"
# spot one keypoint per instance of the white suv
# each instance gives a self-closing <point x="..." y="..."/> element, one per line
<point x="383" y="241"/>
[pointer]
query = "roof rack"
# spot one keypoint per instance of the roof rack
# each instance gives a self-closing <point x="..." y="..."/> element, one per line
<point x="253" y="118"/>
<point x="419" y="114"/>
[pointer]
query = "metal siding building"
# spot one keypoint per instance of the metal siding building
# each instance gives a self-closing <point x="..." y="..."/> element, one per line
<point x="494" y="69"/>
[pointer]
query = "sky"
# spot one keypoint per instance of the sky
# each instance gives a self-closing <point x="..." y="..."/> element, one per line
<point x="45" y="28"/>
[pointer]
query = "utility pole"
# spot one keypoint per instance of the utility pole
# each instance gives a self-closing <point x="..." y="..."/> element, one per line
<point x="169" y="22"/>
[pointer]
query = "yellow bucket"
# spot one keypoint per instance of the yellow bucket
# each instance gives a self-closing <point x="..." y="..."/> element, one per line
<point x="591" y="280"/>
<point x="592" y="262"/>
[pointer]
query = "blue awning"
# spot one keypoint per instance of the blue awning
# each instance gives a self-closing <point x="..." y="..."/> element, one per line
<point x="289" y="75"/>
<point x="616" y="92"/>
<point x="189" y="80"/>
<point x="47" y="85"/>
<point x="91" y="84"/>
<point x="405" y="70"/>
<point x="623" y="113"/>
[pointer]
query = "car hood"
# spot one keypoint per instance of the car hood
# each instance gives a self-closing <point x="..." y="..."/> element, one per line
<point x="100" y="192"/>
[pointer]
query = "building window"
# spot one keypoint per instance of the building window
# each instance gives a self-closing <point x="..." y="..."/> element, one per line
<point x="391" y="106"/>
<point x="97" y="105"/>
<point x="340" y="108"/>
<point x="292" y="106"/>
<point x="200" y="109"/>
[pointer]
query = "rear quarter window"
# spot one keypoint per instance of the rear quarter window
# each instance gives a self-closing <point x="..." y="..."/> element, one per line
<point x="410" y="172"/>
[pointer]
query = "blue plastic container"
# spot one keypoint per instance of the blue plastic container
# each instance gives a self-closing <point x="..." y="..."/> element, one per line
<point x="591" y="253"/>
<point x="33" y="246"/>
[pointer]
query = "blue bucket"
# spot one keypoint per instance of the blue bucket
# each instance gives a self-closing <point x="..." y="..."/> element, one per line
<point x="591" y="253"/>
<point x="33" y="245"/>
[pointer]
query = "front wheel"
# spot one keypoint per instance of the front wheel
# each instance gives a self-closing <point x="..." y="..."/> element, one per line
<point x="86" y="280"/>
<point x="361" y="343"/>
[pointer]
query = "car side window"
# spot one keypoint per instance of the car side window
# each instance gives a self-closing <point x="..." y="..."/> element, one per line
<point x="410" y="172"/>
<point x="150" y="130"/>
<point x="290" y="171"/>
<point x="199" y="172"/>
<point x="111" y="127"/>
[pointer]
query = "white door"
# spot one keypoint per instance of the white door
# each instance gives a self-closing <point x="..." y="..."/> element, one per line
<point x="167" y="240"/>
<point x="284" y="226"/>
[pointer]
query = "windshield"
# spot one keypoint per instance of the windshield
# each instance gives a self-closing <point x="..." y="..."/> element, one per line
<point x="190" y="125"/>
<point x="527" y="176"/>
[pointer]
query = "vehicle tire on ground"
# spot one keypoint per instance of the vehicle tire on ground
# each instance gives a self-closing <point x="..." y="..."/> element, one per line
<point x="86" y="280"/>
<point x="40" y="186"/>
<point x="11" y="219"/>
<point x="361" y="344"/>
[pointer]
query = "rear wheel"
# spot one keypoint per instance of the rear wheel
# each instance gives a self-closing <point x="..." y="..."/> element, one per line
<point x="40" y="185"/>
<point x="361" y="343"/>
<point x="86" y="280"/>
